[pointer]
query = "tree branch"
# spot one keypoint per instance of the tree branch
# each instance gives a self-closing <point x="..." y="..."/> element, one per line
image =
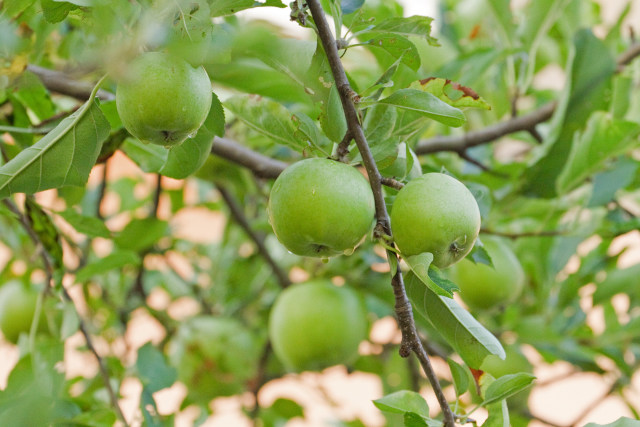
<point x="527" y="122"/>
<point x="410" y="339"/>
<point x="259" y="164"/>
<point x="57" y="81"/>
<point x="460" y="143"/>
<point x="239" y="216"/>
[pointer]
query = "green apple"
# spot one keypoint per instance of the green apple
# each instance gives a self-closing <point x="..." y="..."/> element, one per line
<point x="321" y="208"/>
<point x="163" y="99"/>
<point x="435" y="213"/>
<point x="485" y="287"/>
<point x="17" y="308"/>
<point x="214" y="356"/>
<point x="315" y="324"/>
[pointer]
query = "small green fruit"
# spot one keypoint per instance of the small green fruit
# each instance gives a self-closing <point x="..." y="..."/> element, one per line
<point x="314" y="325"/>
<point x="213" y="356"/>
<point x="321" y="208"/>
<point x="485" y="287"/>
<point x="435" y="213"/>
<point x="17" y="308"/>
<point x="163" y="99"/>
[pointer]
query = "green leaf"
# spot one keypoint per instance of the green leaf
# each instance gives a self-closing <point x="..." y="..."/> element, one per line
<point x="154" y="372"/>
<point x="55" y="11"/>
<point x="114" y="261"/>
<point x="64" y="156"/>
<point x="87" y="225"/>
<point x="498" y="415"/>
<point x="332" y="120"/>
<point x="425" y="104"/>
<point x="587" y="89"/>
<point x="308" y="130"/>
<point x="267" y="117"/>
<point x="421" y="266"/>
<point x="230" y="7"/>
<point x="403" y="401"/>
<point x="620" y="422"/>
<point x="141" y="234"/>
<point x="450" y="92"/>
<point x="398" y="47"/>
<point x="33" y="96"/>
<point x="411" y="419"/>
<point x="506" y="386"/>
<point x="472" y="341"/>
<point x="479" y="254"/>
<point x="350" y="6"/>
<point x="287" y="408"/>
<point x="459" y="375"/>
<point x="419" y="26"/>
<point x="603" y="138"/>
<point x="619" y="175"/>
<point x="617" y="281"/>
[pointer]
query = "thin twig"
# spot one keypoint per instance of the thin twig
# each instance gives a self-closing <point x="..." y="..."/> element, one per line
<point x="81" y="322"/>
<point x="390" y="182"/>
<point x="239" y="216"/>
<point x="343" y="148"/>
<point x="410" y="339"/>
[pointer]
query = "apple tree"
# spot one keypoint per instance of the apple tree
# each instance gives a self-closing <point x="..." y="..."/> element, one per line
<point x="202" y="203"/>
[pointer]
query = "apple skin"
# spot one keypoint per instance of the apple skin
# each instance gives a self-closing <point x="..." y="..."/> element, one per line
<point x="163" y="99"/>
<point x="321" y="208"/>
<point x="315" y="325"/>
<point x="435" y="213"/>
<point x="214" y="356"/>
<point x="484" y="287"/>
<point x="17" y="308"/>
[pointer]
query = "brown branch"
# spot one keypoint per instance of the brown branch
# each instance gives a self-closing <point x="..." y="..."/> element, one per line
<point x="459" y="143"/>
<point x="390" y="182"/>
<point x="239" y="216"/>
<point x="343" y="148"/>
<point x="57" y="81"/>
<point x="259" y="164"/>
<point x="82" y="325"/>
<point x="410" y="339"/>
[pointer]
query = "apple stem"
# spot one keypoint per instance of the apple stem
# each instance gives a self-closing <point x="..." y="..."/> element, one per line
<point x="410" y="339"/>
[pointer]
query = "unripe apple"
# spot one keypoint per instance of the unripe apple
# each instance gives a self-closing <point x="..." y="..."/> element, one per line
<point x="163" y="99"/>
<point x="435" y="213"/>
<point x="17" y="308"/>
<point x="321" y="208"/>
<point x="214" y="356"/>
<point x="315" y="325"/>
<point x="485" y="287"/>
